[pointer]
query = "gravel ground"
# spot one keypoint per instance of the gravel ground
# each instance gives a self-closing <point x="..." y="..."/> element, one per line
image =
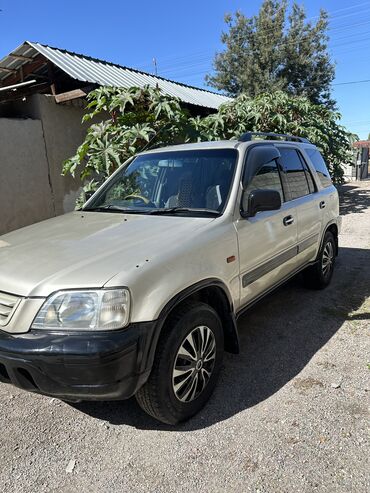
<point x="291" y="412"/>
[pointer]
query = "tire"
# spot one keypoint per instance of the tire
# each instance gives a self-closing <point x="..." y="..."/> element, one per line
<point x="173" y="395"/>
<point x="319" y="275"/>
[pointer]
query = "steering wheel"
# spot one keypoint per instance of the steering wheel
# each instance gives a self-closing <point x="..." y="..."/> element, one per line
<point x="144" y="200"/>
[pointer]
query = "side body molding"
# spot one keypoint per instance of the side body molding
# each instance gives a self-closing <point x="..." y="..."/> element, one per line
<point x="280" y="259"/>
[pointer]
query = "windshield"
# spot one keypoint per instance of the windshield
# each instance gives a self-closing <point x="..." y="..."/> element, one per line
<point x="192" y="182"/>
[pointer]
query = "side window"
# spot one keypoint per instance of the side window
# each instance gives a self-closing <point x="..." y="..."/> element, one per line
<point x="295" y="175"/>
<point x="311" y="184"/>
<point x="267" y="177"/>
<point x="320" y="167"/>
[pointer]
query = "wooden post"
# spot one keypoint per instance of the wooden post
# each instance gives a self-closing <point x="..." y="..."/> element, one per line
<point x="51" y="77"/>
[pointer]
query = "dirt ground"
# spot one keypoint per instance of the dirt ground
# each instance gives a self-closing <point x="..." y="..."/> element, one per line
<point x="291" y="412"/>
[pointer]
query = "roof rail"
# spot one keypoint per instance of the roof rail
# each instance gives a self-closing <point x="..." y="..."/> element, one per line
<point x="248" y="136"/>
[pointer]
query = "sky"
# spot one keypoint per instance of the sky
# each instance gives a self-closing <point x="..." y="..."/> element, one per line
<point x="184" y="36"/>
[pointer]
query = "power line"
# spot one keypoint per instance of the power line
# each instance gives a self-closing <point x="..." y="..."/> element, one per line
<point x="356" y="122"/>
<point x="204" y="61"/>
<point x="351" y="82"/>
<point x="349" y="26"/>
<point x="357" y="12"/>
<point x="333" y="29"/>
<point x="351" y="41"/>
<point x="192" y="59"/>
<point x="180" y="68"/>
<point x="177" y="67"/>
<point x="351" y="7"/>
<point x="198" y="59"/>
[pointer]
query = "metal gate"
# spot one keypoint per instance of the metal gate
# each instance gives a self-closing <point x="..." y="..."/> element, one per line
<point x="362" y="161"/>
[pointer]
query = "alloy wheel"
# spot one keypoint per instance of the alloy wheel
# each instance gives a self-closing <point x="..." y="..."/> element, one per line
<point x="327" y="258"/>
<point x="194" y="363"/>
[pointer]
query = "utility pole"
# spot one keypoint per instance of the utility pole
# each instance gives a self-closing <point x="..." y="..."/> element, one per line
<point x="155" y="66"/>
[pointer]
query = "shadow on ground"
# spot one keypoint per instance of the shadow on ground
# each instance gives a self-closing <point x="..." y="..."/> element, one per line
<point x="353" y="199"/>
<point x="279" y="336"/>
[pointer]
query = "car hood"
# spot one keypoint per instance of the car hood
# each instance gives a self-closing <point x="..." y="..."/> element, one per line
<point x="86" y="249"/>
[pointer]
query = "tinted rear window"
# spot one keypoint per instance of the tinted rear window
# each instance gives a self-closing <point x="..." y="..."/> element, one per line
<point x="320" y="166"/>
<point x="295" y="174"/>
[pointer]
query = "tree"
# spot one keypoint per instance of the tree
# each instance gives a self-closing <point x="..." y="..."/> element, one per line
<point x="281" y="113"/>
<point x="144" y="118"/>
<point x="275" y="51"/>
<point x="138" y="117"/>
<point x="308" y="69"/>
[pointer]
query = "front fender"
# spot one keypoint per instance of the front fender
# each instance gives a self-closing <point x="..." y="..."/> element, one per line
<point x="161" y="277"/>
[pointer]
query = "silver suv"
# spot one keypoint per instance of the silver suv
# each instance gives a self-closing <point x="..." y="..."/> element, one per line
<point x="139" y="292"/>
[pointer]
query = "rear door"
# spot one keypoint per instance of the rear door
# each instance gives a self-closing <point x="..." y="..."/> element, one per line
<point x="267" y="241"/>
<point x="326" y="198"/>
<point x="302" y="192"/>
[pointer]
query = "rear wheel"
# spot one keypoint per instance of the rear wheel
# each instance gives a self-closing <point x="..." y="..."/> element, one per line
<point x="186" y="365"/>
<point x="319" y="275"/>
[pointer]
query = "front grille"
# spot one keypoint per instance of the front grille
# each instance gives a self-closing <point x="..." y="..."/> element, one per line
<point x="8" y="304"/>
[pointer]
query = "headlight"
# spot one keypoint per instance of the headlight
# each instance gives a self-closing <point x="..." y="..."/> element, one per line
<point x="105" y="309"/>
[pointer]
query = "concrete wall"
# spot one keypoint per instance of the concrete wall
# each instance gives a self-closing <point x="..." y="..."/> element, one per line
<point x="36" y="136"/>
<point x="63" y="133"/>
<point x="25" y="193"/>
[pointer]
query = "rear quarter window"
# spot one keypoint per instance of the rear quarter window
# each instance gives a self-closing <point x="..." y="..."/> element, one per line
<point x="320" y="167"/>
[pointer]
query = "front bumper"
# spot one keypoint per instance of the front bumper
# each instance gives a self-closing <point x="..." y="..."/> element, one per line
<point x="84" y="366"/>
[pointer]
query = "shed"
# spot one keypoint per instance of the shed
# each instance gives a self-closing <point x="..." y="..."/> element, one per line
<point x="42" y="92"/>
<point x="67" y="76"/>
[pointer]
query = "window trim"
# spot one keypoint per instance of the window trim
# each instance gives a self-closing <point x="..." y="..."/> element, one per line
<point x="278" y="165"/>
<point x="307" y="172"/>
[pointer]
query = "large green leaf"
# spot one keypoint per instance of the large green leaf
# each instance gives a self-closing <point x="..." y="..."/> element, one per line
<point x="146" y="117"/>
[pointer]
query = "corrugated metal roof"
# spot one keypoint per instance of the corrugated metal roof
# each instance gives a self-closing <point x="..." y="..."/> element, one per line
<point x="11" y="63"/>
<point x="362" y="143"/>
<point x="94" y="71"/>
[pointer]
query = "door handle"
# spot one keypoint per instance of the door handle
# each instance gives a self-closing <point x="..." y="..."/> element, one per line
<point x="288" y="220"/>
<point x="322" y="204"/>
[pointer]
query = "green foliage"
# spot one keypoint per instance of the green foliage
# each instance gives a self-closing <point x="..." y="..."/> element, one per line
<point x="125" y="187"/>
<point x="142" y="118"/>
<point x="281" y="113"/>
<point x="294" y="115"/>
<point x="275" y="51"/>
<point x="307" y="68"/>
<point x="138" y="117"/>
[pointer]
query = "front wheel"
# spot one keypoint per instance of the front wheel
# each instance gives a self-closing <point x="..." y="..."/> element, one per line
<point x="319" y="275"/>
<point x="186" y="365"/>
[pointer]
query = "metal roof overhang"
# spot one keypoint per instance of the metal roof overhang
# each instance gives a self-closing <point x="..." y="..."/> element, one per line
<point x="93" y="71"/>
<point x="362" y="144"/>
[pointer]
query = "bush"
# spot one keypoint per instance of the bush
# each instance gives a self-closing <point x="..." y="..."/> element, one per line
<point x="139" y="118"/>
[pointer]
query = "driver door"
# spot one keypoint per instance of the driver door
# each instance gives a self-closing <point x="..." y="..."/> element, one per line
<point x="267" y="241"/>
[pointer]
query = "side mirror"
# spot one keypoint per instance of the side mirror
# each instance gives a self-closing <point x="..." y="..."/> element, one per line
<point x="260" y="200"/>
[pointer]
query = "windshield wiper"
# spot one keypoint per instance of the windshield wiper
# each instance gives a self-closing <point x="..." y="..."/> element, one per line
<point x="162" y="211"/>
<point x="191" y="210"/>
<point x="114" y="208"/>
